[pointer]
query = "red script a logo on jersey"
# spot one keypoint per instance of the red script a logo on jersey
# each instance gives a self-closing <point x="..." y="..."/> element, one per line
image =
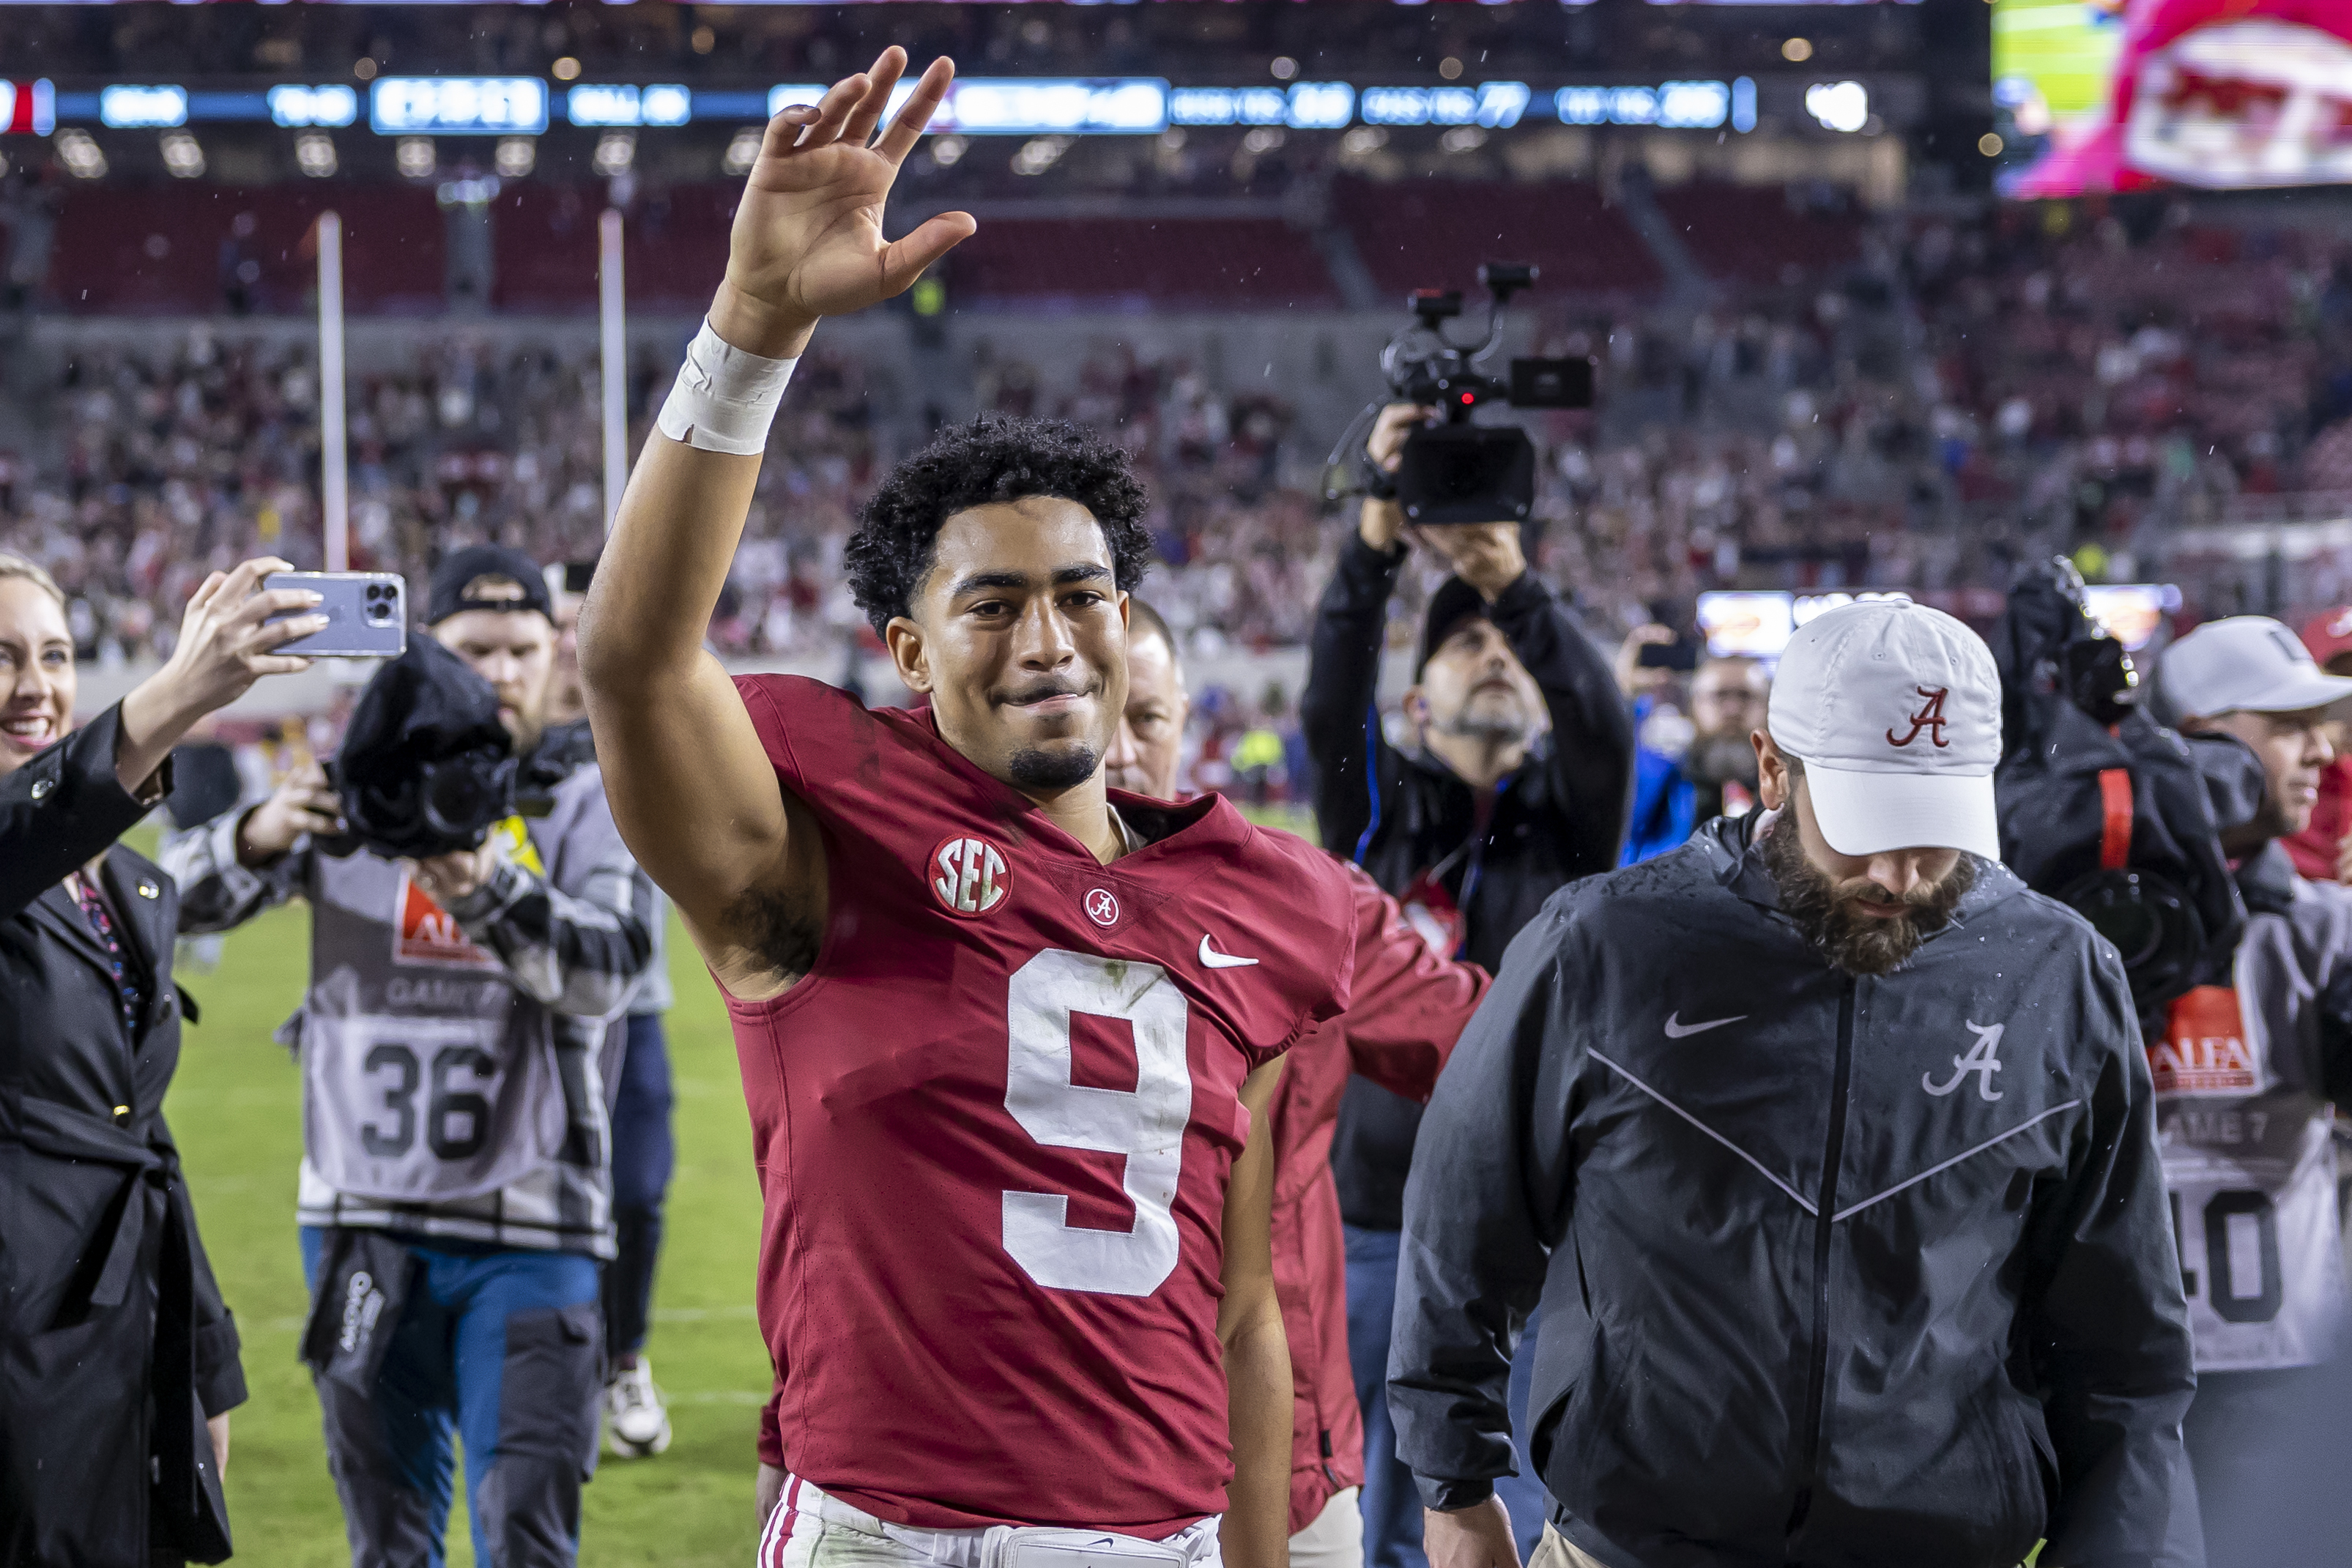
<point x="1930" y="717"/>
<point x="972" y="876"/>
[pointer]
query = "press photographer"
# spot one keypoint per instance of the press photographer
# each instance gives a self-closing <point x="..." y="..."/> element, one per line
<point x="1515" y="778"/>
<point x="466" y="957"/>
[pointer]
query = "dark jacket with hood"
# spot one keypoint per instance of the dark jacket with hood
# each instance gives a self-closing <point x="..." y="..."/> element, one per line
<point x="114" y="1344"/>
<point x="1835" y="1271"/>
<point x="1399" y="815"/>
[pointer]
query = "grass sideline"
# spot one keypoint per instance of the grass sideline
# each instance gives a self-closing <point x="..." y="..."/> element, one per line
<point x="237" y="1111"/>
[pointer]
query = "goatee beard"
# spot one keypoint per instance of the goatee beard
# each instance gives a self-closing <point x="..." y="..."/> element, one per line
<point x="1034" y="768"/>
<point x="1850" y="940"/>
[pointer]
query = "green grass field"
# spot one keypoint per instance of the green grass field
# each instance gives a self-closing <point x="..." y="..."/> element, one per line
<point x="236" y="1110"/>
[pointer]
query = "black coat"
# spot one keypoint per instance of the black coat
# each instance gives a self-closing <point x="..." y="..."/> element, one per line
<point x="1561" y="816"/>
<point x="114" y="1343"/>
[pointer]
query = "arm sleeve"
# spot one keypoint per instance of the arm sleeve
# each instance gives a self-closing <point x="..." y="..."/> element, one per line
<point x="216" y="892"/>
<point x="219" y="1364"/>
<point x="1592" y="761"/>
<point x="61" y="810"/>
<point x="2109" y="1328"/>
<point x="772" y="1434"/>
<point x="575" y="944"/>
<point x="1408" y="1004"/>
<point x="1336" y="712"/>
<point x="1487" y="1198"/>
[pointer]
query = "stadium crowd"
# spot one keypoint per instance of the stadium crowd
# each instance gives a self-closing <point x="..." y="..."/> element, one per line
<point x="1969" y="394"/>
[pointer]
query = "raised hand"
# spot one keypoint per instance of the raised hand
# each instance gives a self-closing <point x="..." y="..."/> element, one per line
<point x="226" y="645"/>
<point x="807" y="241"/>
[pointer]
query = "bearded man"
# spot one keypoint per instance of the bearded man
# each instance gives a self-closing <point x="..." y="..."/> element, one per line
<point x="1826" y="1148"/>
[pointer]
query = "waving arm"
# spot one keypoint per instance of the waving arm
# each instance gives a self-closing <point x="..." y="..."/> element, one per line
<point x="690" y="784"/>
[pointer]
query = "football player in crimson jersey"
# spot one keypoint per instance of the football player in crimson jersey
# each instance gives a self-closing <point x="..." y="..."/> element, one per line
<point x="1006" y="1037"/>
<point x="1407" y="1007"/>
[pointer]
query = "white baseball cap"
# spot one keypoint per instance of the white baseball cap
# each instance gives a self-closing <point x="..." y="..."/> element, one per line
<point x="1894" y="710"/>
<point x="2247" y="663"/>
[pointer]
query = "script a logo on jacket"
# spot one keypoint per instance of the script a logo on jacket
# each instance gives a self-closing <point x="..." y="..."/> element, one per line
<point x="425" y="933"/>
<point x="2203" y="1049"/>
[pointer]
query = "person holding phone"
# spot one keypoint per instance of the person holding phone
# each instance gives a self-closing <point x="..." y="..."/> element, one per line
<point x="455" y="1197"/>
<point x="120" y="1362"/>
<point x="1471" y="825"/>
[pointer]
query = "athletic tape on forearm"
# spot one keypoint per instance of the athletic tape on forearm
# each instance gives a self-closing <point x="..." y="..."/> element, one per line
<point x="725" y="399"/>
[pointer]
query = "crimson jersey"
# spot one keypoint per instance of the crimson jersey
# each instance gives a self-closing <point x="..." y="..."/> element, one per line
<point x="994" y="1125"/>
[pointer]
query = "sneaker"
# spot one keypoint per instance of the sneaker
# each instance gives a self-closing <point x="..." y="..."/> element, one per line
<point x="636" y="1422"/>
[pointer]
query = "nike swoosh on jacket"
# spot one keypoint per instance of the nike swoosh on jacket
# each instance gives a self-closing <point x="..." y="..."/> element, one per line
<point x="1829" y="1287"/>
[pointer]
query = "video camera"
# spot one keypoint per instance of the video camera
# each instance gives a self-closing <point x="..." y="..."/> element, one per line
<point x="1459" y="471"/>
<point x="2104" y="810"/>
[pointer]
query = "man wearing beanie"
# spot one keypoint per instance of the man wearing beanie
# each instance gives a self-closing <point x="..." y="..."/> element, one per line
<point x="456" y="1192"/>
<point x="1470" y="825"/>
<point x="2246" y="1073"/>
<point x="1826" y="1148"/>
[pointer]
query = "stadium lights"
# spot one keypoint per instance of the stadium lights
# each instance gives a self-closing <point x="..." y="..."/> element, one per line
<point x="314" y="155"/>
<point x="1676" y="105"/>
<point x="1304" y="106"/>
<point x="615" y="151"/>
<point x="1040" y="154"/>
<point x="1490" y="104"/>
<point x="744" y="151"/>
<point x="1839" y="105"/>
<point x="947" y="149"/>
<point x="1265" y="138"/>
<point x="332" y="105"/>
<point x="182" y="159"/>
<point x="414" y="158"/>
<point x="459" y="106"/>
<point x="1363" y="141"/>
<point x="1462" y="139"/>
<point x="128" y="107"/>
<point x="517" y="156"/>
<point x="28" y="108"/>
<point x="80" y="155"/>
<point x="614" y="103"/>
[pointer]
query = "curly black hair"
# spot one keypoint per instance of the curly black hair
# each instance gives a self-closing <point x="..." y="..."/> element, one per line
<point x="994" y="459"/>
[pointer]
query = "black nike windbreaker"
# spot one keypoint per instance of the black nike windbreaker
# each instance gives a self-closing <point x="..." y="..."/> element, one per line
<point x="1835" y="1271"/>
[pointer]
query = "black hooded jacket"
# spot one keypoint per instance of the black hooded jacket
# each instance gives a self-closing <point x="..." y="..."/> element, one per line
<point x="1835" y="1271"/>
<point x="1561" y="816"/>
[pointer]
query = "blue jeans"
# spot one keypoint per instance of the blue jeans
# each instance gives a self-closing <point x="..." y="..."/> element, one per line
<point x="644" y="1154"/>
<point x="1391" y="1502"/>
<point x="504" y="1348"/>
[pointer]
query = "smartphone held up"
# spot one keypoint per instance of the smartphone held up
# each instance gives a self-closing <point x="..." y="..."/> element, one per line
<point x="366" y="611"/>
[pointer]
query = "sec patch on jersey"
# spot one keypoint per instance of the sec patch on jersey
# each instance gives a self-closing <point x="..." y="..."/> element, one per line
<point x="970" y="876"/>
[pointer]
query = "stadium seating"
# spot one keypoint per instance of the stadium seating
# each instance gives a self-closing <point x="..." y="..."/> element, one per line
<point x="1757" y="235"/>
<point x="191" y="248"/>
<point x="1161" y="264"/>
<point x="1432" y="234"/>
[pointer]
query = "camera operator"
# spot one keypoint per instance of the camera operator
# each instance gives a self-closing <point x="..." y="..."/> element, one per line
<point x="118" y="1361"/>
<point x="1471" y="829"/>
<point x="1712" y="773"/>
<point x="2245" y="1076"/>
<point x="455" y="1195"/>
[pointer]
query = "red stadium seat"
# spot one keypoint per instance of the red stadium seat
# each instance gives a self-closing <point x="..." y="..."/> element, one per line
<point x="1238" y="263"/>
<point x="182" y="249"/>
<point x="1432" y="234"/>
<point x="1748" y="233"/>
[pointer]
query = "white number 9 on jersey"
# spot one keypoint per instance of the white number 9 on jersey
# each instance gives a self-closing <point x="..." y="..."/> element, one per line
<point x="1146" y="1124"/>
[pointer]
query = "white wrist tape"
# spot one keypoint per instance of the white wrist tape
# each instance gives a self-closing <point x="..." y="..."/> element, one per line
<point x="725" y="399"/>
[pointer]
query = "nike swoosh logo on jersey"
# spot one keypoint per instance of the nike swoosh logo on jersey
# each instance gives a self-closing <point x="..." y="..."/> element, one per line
<point x="1212" y="958"/>
<point x="1678" y="1030"/>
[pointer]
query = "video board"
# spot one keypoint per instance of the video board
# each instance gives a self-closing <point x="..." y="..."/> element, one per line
<point x="2097" y="95"/>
